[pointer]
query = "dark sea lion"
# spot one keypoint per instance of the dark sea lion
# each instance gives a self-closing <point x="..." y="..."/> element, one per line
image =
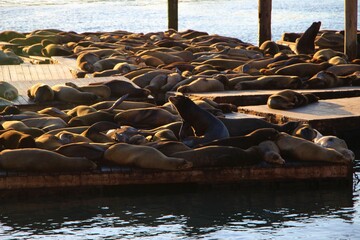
<point x="7" y="36"/>
<point x="85" y="61"/>
<point x="97" y="131"/>
<point x="206" y="126"/>
<point x="269" y="47"/>
<point x="220" y="156"/>
<point x="202" y="85"/>
<point x="270" y="82"/>
<point x="303" y="69"/>
<point x="305" y="131"/>
<point x="270" y="152"/>
<point x="40" y="160"/>
<point x="145" y="117"/>
<point x="80" y="110"/>
<point x="55" y="112"/>
<point x="102" y="91"/>
<point x="8" y="91"/>
<point x="288" y="99"/>
<point x="169" y="147"/>
<point x="338" y="144"/>
<point x="41" y="93"/>
<point x="326" y="79"/>
<point x="303" y="150"/>
<point x="45" y="123"/>
<point x="55" y="50"/>
<point x="306" y="43"/>
<point x="93" y="152"/>
<point x="119" y="88"/>
<point x="244" y="142"/>
<point x="344" y="69"/>
<point x="91" y="118"/>
<point x="12" y="139"/>
<point x="142" y="156"/>
<point x="243" y="126"/>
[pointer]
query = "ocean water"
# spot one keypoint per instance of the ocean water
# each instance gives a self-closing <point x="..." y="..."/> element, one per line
<point x="235" y="18"/>
<point x="201" y="213"/>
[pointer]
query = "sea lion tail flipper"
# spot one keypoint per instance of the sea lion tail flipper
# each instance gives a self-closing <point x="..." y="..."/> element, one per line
<point x="117" y="103"/>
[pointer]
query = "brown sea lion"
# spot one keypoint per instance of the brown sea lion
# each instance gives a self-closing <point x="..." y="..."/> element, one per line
<point x="270" y="82"/>
<point x="306" y="43"/>
<point x="72" y="95"/>
<point x="45" y="123"/>
<point x="12" y="139"/>
<point x="270" y="152"/>
<point x="169" y="147"/>
<point x="333" y="142"/>
<point x="85" y="61"/>
<point x="40" y="93"/>
<point x="80" y="110"/>
<point x="145" y="117"/>
<point x="206" y="126"/>
<point x="303" y="150"/>
<point x="344" y="69"/>
<point x="40" y="160"/>
<point x="244" y="142"/>
<point x="220" y="156"/>
<point x="202" y="85"/>
<point x="288" y="99"/>
<point x="55" y="112"/>
<point x="305" y="131"/>
<point x="102" y="91"/>
<point x="119" y="88"/>
<point x="243" y="126"/>
<point x="93" y="152"/>
<point x="303" y="69"/>
<point x="142" y="156"/>
<point x="327" y="79"/>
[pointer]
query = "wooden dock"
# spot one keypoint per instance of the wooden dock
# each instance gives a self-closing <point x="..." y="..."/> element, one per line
<point x="327" y="116"/>
<point x="296" y="172"/>
<point x="259" y="97"/>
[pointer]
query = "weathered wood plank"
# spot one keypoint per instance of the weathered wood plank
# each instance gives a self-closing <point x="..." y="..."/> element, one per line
<point x="327" y="116"/>
<point x="199" y="176"/>
<point x="350" y="40"/>
<point x="264" y="12"/>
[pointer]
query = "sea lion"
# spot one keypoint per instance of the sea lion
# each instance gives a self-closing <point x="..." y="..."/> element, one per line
<point x="305" y="131"/>
<point x="8" y="91"/>
<point x="202" y="85"/>
<point x="336" y="143"/>
<point x="102" y="91"/>
<point x="325" y="55"/>
<point x="80" y="110"/>
<point x="125" y="105"/>
<point x="55" y="50"/>
<point x="93" y="152"/>
<point x="85" y="61"/>
<point x="145" y="117"/>
<point x="270" y="152"/>
<point x="72" y="95"/>
<point x="55" y="112"/>
<point x="303" y="69"/>
<point x="303" y="150"/>
<point x="97" y="132"/>
<point x="206" y="126"/>
<point x="220" y="156"/>
<point x="12" y="139"/>
<point x="45" y="123"/>
<point x="270" y="82"/>
<point x="40" y="160"/>
<point x="252" y="139"/>
<point x="40" y="93"/>
<point x="327" y="79"/>
<point x="143" y="157"/>
<point x="168" y="147"/>
<point x="119" y="88"/>
<point x="288" y="99"/>
<point x="306" y="43"/>
<point x="91" y="118"/>
<point x="344" y="69"/>
<point x="269" y="47"/>
<point x="243" y="126"/>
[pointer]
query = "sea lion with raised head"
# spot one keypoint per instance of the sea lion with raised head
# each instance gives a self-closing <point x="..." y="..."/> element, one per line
<point x="206" y="126"/>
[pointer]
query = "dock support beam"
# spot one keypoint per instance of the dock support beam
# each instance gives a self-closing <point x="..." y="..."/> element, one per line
<point x="264" y="10"/>
<point x="350" y="40"/>
<point x="173" y="14"/>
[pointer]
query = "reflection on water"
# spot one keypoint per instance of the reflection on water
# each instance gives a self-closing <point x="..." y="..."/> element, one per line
<point x="214" y="213"/>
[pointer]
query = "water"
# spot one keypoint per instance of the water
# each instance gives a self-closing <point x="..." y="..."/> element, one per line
<point x="250" y="213"/>
<point x="225" y="17"/>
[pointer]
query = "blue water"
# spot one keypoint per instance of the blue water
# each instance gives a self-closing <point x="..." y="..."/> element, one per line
<point x="250" y="213"/>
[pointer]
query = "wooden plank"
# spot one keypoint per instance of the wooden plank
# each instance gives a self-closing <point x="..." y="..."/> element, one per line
<point x="65" y="61"/>
<point x="264" y="11"/>
<point x="350" y="40"/>
<point x="173" y="14"/>
<point x="327" y="116"/>
<point x="34" y="74"/>
<point x="259" y="97"/>
<point x="294" y="172"/>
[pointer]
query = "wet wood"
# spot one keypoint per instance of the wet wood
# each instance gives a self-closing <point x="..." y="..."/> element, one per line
<point x="264" y="11"/>
<point x="127" y="176"/>
<point x="327" y="116"/>
<point x="350" y="40"/>
<point x="173" y="14"/>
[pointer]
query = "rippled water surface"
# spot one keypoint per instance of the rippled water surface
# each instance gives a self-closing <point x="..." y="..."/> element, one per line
<point x="237" y="18"/>
<point x="250" y="213"/>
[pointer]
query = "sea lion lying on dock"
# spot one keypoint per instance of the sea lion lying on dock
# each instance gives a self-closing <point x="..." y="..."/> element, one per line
<point x="288" y="99"/>
<point x="143" y="156"/>
<point x="40" y="160"/>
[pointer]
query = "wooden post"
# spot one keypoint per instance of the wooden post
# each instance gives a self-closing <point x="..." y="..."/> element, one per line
<point x="350" y="40"/>
<point x="264" y="8"/>
<point x="173" y="14"/>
